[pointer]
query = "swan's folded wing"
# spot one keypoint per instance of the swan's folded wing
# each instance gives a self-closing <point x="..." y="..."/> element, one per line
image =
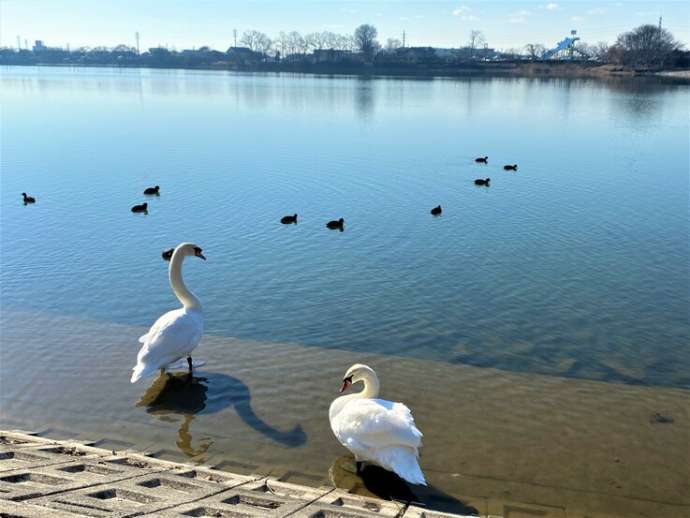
<point x="173" y="335"/>
<point x="375" y="423"/>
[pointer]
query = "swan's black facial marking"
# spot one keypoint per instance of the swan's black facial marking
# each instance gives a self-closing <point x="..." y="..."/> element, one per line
<point x="346" y="384"/>
<point x="167" y="254"/>
<point x="197" y="253"/>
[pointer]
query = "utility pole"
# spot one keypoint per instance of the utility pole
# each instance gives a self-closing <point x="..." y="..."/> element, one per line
<point x="234" y="33"/>
<point x="19" y="43"/>
<point x="403" y="39"/>
<point x="136" y="37"/>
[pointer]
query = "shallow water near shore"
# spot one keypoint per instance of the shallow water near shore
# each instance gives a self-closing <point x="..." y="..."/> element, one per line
<point x="535" y="328"/>
<point x="494" y="440"/>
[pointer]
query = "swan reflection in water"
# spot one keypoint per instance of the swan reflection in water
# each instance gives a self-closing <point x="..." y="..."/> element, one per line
<point x="179" y="394"/>
<point x="375" y="481"/>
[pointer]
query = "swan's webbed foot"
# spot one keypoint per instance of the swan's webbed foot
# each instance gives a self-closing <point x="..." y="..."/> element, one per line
<point x="358" y="467"/>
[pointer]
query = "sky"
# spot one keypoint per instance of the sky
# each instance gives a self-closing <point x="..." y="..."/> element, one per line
<point x="183" y="24"/>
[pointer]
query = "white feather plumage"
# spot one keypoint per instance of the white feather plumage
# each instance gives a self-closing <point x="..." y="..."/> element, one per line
<point x="376" y="430"/>
<point x="176" y="333"/>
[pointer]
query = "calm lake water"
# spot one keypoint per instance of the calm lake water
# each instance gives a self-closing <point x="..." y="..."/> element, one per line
<point x="572" y="271"/>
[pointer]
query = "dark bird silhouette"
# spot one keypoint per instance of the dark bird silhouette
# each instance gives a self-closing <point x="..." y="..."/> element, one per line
<point x="479" y="181"/>
<point x="509" y="167"/>
<point x="336" y="224"/>
<point x="436" y="211"/>
<point x="152" y="190"/>
<point x="482" y="160"/>
<point x="28" y="199"/>
<point x="144" y="207"/>
<point x="167" y="254"/>
<point x="287" y="220"/>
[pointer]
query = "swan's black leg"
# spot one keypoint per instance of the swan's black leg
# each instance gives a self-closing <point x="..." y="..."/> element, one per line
<point x="189" y="362"/>
<point x="358" y="467"/>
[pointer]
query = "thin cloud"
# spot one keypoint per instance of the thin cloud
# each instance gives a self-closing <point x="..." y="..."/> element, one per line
<point x="462" y="10"/>
<point x="576" y="18"/>
<point x="598" y="11"/>
<point x="551" y="6"/>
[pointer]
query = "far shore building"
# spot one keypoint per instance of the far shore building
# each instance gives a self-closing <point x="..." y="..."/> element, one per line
<point x="430" y="55"/>
<point x="244" y="55"/>
<point x="334" y="56"/>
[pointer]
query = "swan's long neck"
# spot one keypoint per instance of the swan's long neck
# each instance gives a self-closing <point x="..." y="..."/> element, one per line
<point x="371" y="390"/>
<point x="371" y="387"/>
<point x="186" y="297"/>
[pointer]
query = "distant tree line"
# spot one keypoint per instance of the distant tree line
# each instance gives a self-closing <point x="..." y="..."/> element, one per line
<point x="646" y="47"/>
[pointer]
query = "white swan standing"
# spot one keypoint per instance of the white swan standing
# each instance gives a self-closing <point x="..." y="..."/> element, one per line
<point x="177" y="333"/>
<point x="376" y="430"/>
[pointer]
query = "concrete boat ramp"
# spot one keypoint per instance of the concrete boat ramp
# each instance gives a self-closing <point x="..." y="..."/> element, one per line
<point x="42" y="477"/>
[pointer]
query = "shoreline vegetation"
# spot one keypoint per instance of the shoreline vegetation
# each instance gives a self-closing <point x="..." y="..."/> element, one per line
<point x="644" y="51"/>
<point x="541" y="69"/>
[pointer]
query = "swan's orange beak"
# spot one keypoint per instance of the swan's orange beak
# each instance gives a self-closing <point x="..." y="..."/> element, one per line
<point x="346" y="384"/>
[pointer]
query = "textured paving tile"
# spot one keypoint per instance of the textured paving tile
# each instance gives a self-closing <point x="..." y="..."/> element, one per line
<point x="24" y="510"/>
<point x="241" y="501"/>
<point x="419" y="512"/>
<point x="339" y="501"/>
<point x="43" y="477"/>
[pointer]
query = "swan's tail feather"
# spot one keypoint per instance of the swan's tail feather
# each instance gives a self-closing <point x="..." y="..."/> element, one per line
<point x="141" y="371"/>
<point x="412" y="474"/>
<point x="403" y="462"/>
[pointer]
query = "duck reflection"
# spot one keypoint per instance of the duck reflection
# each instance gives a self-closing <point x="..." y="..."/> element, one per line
<point x="187" y="396"/>
<point x="375" y="481"/>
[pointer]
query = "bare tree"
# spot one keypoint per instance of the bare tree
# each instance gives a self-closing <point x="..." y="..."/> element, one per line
<point x="280" y="44"/>
<point x="329" y="40"/>
<point x="347" y="42"/>
<point x="296" y="43"/>
<point x="365" y="40"/>
<point x="263" y="43"/>
<point x="601" y="51"/>
<point x="647" y="46"/>
<point x="476" y="40"/>
<point x="315" y="40"/>
<point x="393" y="44"/>
<point x="257" y="41"/>
<point x="535" y="50"/>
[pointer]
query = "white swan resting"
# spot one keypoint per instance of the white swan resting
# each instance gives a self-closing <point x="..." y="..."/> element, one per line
<point x="177" y="333"/>
<point x="376" y="430"/>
